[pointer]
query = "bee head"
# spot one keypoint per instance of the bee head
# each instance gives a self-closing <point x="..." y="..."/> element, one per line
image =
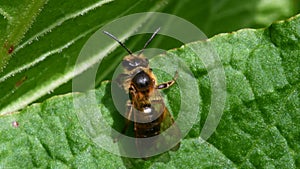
<point x="131" y="62"/>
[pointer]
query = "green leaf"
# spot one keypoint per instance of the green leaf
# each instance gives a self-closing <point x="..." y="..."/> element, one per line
<point x="17" y="19"/>
<point x="260" y="126"/>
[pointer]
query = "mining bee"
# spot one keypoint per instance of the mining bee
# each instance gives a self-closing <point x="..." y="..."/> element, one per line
<point x="146" y="107"/>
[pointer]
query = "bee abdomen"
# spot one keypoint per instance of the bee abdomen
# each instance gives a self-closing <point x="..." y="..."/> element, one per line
<point x="144" y="130"/>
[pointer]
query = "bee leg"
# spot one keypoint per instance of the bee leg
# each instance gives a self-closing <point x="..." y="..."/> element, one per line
<point x="127" y="122"/>
<point x="167" y="84"/>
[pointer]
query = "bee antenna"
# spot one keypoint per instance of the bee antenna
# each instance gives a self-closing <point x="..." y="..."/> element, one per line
<point x="147" y="43"/>
<point x="122" y="44"/>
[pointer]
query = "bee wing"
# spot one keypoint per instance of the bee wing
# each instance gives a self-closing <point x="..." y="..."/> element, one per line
<point x="172" y="132"/>
<point x="168" y="128"/>
<point x="168" y="120"/>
